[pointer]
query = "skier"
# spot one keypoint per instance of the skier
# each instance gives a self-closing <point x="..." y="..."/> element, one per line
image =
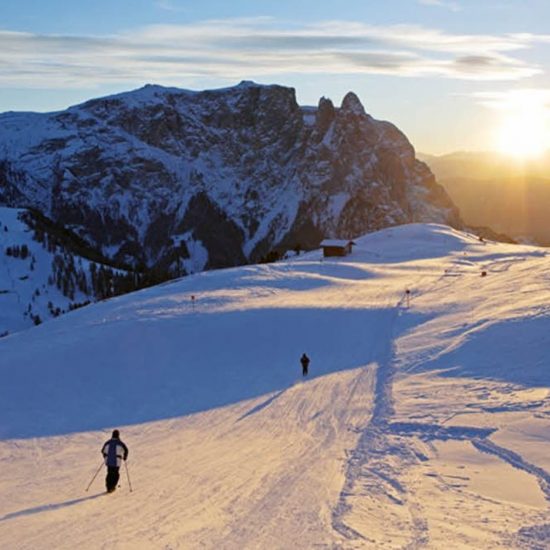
<point x="305" y="363"/>
<point x="113" y="451"/>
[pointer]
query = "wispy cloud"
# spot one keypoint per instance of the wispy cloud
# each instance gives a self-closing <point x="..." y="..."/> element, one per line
<point x="516" y="100"/>
<point x="453" y="6"/>
<point x="240" y="48"/>
<point x="169" y="5"/>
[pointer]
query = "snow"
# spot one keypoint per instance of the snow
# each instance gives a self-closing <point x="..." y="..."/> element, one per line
<point x="337" y="203"/>
<point x="425" y="421"/>
<point x="198" y="254"/>
<point x="335" y="242"/>
<point x="309" y="114"/>
<point x="23" y="286"/>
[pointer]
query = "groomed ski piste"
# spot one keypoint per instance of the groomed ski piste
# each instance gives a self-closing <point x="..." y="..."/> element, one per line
<point x="424" y="421"/>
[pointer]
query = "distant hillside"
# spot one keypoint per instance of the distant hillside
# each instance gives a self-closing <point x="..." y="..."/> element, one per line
<point x="504" y="194"/>
<point x="518" y="207"/>
<point x="485" y="165"/>
<point x="46" y="270"/>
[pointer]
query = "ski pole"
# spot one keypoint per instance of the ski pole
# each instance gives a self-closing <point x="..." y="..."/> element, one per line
<point x="95" y="475"/>
<point x="128" y="476"/>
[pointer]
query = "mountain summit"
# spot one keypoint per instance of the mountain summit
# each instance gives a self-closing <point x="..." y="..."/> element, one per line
<point x="164" y="177"/>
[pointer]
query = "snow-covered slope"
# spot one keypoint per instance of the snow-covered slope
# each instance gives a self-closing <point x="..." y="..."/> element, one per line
<point x="165" y="177"/>
<point x="46" y="271"/>
<point x="28" y="272"/>
<point x="425" y="421"/>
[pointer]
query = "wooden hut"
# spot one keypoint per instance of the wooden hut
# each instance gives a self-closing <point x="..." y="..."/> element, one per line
<point x="336" y="247"/>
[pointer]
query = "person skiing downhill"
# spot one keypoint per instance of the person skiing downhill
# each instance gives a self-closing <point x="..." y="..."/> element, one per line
<point x="305" y="364"/>
<point x="113" y="451"/>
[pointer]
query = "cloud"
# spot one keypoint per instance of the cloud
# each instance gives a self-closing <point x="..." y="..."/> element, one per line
<point x="453" y="6"/>
<point x="168" y="5"/>
<point x="520" y="99"/>
<point x="258" y="47"/>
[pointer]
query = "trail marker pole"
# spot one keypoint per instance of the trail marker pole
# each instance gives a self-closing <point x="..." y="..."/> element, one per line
<point x="95" y="475"/>
<point x="408" y="297"/>
<point x="128" y="476"/>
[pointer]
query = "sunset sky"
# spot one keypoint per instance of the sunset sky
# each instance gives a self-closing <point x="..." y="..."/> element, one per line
<point x="452" y="74"/>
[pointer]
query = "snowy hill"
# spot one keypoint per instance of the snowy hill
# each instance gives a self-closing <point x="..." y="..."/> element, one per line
<point x="424" y="422"/>
<point x="34" y="282"/>
<point x="191" y="180"/>
<point x="46" y="271"/>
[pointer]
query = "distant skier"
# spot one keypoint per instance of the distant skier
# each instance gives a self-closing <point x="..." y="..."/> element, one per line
<point x="113" y="451"/>
<point x="305" y="364"/>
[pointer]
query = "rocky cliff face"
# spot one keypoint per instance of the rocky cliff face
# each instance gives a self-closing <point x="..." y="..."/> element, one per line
<point x="163" y="176"/>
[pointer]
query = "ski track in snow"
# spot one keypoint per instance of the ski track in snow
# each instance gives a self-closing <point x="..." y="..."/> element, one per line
<point x="515" y="460"/>
<point x="385" y="453"/>
<point x="373" y="441"/>
<point x="365" y="467"/>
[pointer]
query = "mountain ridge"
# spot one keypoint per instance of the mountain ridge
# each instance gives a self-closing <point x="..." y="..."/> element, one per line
<point x="199" y="179"/>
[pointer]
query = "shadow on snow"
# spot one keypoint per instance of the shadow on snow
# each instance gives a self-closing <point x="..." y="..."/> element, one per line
<point x="509" y="351"/>
<point x="130" y="373"/>
<point x="48" y="507"/>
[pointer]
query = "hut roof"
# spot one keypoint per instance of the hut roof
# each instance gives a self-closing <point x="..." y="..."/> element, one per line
<point x="337" y="242"/>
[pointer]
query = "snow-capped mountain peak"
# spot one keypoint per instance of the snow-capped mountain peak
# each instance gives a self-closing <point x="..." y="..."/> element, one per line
<point x="164" y="177"/>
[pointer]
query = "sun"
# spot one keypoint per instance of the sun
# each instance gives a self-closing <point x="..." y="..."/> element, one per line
<point x="524" y="133"/>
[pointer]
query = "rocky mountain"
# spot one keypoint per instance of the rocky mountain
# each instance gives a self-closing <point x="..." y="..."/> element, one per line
<point x="176" y="179"/>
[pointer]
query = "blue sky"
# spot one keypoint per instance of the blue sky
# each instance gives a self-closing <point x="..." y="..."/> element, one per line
<point x="447" y="72"/>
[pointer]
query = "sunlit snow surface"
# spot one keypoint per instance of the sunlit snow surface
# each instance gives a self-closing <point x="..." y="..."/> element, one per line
<point x="421" y="425"/>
